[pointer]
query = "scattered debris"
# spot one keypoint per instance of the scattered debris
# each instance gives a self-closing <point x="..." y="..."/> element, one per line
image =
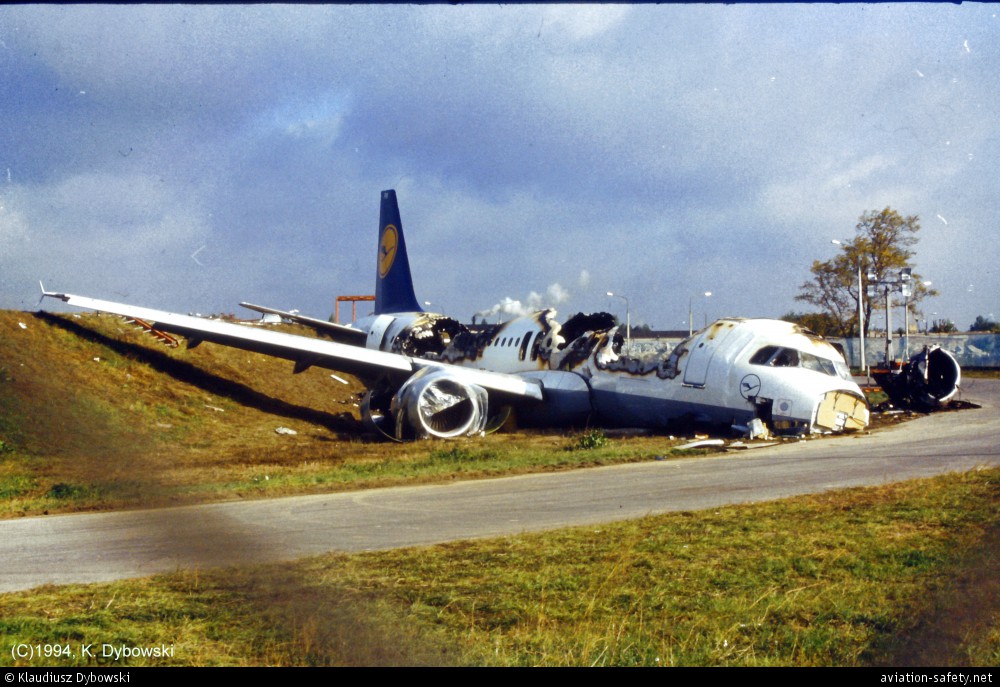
<point x="148" y="328"/>
<point x="215" y="408"/>
<point x="743" y="446"/>
<point x="339" y="379"/>
<point x="97" y="360"/>
<point x="22" y="325"/>
<point x="285" y="430"/>
<point x="756" y="429"/>
<point x="702" y="443"/>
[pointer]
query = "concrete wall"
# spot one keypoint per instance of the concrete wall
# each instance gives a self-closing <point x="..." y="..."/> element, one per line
<point x="971" y="350"/>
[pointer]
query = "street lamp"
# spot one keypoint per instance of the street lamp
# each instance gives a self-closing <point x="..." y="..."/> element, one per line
<point x="691" y="313"/>
<point x="904" y="286"/>
<point x="861" y="309"/>
<point x="628" y="322"/>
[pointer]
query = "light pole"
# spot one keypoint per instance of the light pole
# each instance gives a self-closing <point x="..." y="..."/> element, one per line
<point x="903" y="285"/>
<point x="691" y="311"/>
<point x="861" y="309"/>
<point x="628" y="322"/>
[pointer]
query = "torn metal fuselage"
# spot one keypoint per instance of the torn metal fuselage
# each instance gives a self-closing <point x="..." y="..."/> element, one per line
<point x="730" y="373"/>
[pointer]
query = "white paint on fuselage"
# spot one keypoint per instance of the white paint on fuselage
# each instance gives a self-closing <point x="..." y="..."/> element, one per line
<point x="707" y="386"/>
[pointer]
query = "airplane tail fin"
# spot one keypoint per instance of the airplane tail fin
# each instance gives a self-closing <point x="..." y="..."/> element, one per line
<point x="393" y="283"/>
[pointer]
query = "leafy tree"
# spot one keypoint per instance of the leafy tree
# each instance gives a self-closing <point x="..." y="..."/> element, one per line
<point x="822" y="323"/>
<point x="984" y="324"/>
<point x="943" y="327"/>
<point x="883" y="245"/>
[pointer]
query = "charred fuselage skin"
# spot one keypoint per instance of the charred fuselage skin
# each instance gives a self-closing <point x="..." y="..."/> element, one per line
<point x="729" y="373"/>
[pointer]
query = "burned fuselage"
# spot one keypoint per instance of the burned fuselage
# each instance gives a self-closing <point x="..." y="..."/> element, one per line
<point x="730" y="373"/>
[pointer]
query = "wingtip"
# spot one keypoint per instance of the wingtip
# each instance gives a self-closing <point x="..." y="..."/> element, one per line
<point x="50" y="294"/>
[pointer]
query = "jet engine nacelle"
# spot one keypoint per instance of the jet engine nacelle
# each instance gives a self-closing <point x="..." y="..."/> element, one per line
<point x="431" y="403"/>
<point x="929" y="380"/>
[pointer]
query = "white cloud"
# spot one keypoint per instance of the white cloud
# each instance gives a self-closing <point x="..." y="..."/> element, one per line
<point x="582" y="22"/>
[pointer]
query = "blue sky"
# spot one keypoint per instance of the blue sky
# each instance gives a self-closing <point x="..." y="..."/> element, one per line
<point x="189" y="157"/>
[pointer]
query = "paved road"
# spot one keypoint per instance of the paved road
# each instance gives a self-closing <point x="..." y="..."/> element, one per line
<point x="98" y="547"/>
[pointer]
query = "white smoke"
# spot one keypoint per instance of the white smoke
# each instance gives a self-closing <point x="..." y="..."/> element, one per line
<point x="509" y="307"/>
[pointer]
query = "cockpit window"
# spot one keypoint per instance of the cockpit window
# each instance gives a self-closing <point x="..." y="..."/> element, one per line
<point x="777" y="356"/>
<point x="763" y="355"/>
<point x="785" y="357"/>
<point x="817" y="364"/>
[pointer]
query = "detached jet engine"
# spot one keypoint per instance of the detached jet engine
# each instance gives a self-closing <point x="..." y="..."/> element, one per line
<point x="927" y="382"/>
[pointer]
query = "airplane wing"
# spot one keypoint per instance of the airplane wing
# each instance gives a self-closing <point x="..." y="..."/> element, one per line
<point x="305" y="352"/>
<point x="337" y="332"/>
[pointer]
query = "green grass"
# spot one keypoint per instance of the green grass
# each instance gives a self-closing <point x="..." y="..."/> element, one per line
<point x="852" y="578"/>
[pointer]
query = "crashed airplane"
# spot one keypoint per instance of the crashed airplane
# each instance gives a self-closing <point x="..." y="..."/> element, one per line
<point x="430" y="376"/>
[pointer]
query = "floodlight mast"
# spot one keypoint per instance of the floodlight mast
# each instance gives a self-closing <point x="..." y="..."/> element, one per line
<point x="902" y="284"/>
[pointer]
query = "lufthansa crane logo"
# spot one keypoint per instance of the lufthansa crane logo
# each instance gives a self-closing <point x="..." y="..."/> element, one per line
<point x="749" y="386"/>
<point x="387" y="250"/>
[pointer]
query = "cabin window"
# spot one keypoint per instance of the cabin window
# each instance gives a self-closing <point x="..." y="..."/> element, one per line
<point x="524" y="346"/>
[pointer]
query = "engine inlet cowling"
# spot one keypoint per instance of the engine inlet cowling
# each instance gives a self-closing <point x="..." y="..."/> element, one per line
<point x="434" y="403"/>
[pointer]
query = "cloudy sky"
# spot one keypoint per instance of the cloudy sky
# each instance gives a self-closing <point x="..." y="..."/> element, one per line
<point x="189" y="157"/>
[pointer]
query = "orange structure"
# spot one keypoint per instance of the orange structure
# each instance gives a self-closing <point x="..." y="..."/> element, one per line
<point x="354" y="306"/>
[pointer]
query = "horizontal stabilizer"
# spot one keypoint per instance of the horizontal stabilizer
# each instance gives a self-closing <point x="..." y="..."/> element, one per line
<point x="337" y="332"/>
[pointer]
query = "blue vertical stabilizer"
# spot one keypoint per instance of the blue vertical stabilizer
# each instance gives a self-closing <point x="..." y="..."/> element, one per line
<point x="393" y="283"/>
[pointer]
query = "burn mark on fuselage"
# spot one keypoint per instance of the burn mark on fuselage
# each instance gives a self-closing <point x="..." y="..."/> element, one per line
<point x="547" y="343"/>
<point x="665" y="366"/>
<point x="428" y="336"/>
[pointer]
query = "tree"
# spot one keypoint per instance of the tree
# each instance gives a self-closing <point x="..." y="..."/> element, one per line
<point x="984" y="324"/>
<point x="943" y="327"/>
<point x="819" y="322"/>
<point x="882" y="244"/>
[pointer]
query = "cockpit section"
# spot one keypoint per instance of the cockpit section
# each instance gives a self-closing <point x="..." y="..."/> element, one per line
<point x="783" y="356"/>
